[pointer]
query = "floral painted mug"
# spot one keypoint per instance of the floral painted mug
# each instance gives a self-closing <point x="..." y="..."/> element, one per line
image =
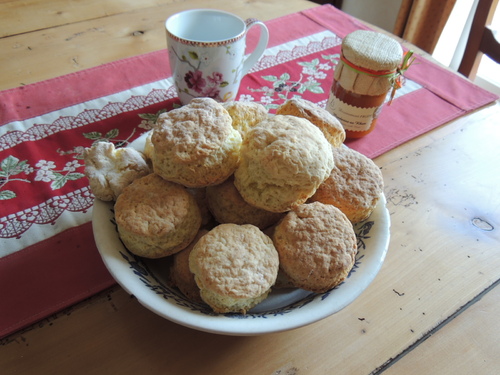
<point x="207" y="52"/>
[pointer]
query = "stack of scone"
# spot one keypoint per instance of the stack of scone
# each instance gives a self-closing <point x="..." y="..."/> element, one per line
<point x="234" y="197"/>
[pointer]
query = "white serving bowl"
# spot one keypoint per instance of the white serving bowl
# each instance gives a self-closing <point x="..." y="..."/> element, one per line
<point x="283" y="310"/>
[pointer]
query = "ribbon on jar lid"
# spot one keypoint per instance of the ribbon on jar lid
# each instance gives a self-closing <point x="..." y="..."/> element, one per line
<point x="395" y="76"/>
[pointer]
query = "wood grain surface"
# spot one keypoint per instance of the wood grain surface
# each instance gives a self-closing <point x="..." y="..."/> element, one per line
<point x="45" y="39"/>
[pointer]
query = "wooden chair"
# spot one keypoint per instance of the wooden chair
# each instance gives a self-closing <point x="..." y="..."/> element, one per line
<point x="481" y="39"/>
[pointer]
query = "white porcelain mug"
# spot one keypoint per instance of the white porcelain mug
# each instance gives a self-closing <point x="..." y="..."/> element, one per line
<point x="207" y="52"/>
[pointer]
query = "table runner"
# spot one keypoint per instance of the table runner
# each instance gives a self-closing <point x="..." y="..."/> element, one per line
<point x="48" y="258"/>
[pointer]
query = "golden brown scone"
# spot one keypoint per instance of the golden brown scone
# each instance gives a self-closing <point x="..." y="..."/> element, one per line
<point x="283" y="161"/>
<point x="328" y="123"/>
<point x="181" y="275"/>
<point x="317" y="246"/>
<point x="245" y="115"/>
<point x="156" y="218"/>
<point x="227" y="206"/>
<point x="354" y="185"/>
<point x="283" y="282"/>
<point x="196" y="145"/>
<point x="110" y="170"/>
<point x="200" y="195"/>
<point x="234" y="267"/>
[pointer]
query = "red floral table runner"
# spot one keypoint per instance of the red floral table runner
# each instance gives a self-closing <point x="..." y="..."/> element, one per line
<point x="48" y="259"/>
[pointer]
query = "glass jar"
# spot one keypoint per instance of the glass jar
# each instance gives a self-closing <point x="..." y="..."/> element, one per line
<point x="369" y="65"/>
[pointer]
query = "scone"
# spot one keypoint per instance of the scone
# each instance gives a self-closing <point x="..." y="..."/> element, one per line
<point x="110" y="170"/>
<point x="227" y="206"/>
<point x="196" y="145"/>
<point x="283" y="161"/>
<point x="155" y="217"/>
<point x="181" y="275"/>
<point x="283" y="282"/>
<point x="354" y="185"/>
<point x="234" y="267"/>
<point x="200" y="195"/>
<point x="317" y="246"/>
<point x="324" y="120"/>
<point x="245" y="115"/>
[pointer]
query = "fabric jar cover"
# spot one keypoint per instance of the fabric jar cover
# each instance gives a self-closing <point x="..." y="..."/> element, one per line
<point x="368" y="51"/>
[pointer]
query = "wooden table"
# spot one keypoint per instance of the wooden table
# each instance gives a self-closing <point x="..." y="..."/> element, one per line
<point x="433" y="308"/>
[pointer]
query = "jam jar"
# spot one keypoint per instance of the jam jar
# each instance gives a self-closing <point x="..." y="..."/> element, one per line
<point x="369" y="67"/>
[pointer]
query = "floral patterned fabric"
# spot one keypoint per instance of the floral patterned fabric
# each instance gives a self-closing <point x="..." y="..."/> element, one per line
<point x="48" y="259"/>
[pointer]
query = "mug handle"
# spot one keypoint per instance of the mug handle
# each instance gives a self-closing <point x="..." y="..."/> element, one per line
<point x="261" y="46"/>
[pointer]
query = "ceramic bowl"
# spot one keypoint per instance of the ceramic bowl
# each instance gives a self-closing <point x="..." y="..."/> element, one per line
<point x="284" y="309"/>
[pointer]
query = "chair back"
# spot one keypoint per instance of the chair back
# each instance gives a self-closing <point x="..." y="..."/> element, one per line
<point x="481" y="40"/>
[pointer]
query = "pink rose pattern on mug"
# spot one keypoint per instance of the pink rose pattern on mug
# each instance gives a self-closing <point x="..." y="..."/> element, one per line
<point x="195" y="83"/>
